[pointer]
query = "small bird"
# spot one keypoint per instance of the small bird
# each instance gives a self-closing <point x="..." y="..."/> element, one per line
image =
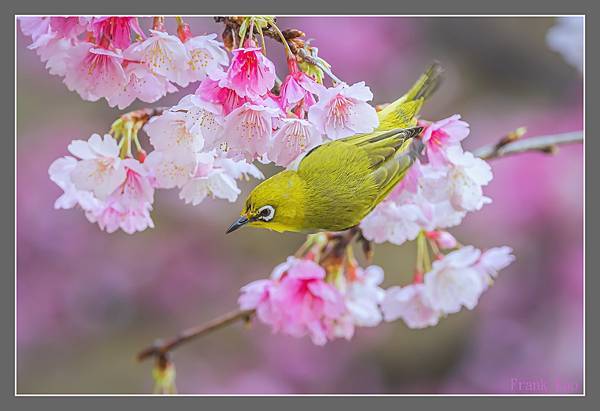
<point x="338" y="183"/>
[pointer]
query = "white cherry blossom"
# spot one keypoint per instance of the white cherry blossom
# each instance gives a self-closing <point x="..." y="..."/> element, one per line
<point x="100" y="170"/>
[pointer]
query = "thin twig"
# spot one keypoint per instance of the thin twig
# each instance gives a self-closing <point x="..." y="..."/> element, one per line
<point x="544" y="144"/>
<point x="161" y="348"/>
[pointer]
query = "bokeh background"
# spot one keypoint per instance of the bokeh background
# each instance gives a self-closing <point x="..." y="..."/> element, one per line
<point x="87" y="301"/>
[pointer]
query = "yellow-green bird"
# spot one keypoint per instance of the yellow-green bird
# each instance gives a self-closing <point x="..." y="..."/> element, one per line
<point x="338" y="183"/>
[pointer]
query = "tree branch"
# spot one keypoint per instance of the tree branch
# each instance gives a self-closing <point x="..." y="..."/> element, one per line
<point x="544" y="144"/>
<point x="160" y="348"/>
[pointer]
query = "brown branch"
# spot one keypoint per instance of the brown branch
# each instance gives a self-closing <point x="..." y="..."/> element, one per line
<point x="160" y="349"/>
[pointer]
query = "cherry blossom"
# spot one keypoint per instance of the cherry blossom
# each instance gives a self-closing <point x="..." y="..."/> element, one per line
<point x="492" y="261"/>
<point x="215" y="176"/>
<point x="207" y="55"/>
<point x="298" y="301"/>
<point x="247" y="130"/>
<point x="294" y="137"/>
<point x="394" y="222"/>
<point x="461" y="183"/>
<point x="443" y="239"/>
<point x="172" y="168"/>
<point x="440" y="135"/>
<point x="461" y="276"/>
<point x="298" y="89"/>
<point x="251" y="74"/>
<point x="116" y="29"/>
<point x="363" y="294"/>
<point x="100" y="169"/>
<point x="162" y="53"/>
<point x="52" y="37"/>
<point x="210" y="90"/>
<point x="343" y="111"/>
<point x="60" y="173"/>
<point x="202" y="117"/>
<point x="141" y="84"/>
<point x="170" y="130"/>
<point x="129" y="206"/>
<point x="409" y="303"/>
<point x="94" y="72"/>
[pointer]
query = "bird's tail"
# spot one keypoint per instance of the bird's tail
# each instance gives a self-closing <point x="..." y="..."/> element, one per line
<point x="415" y="150"/>
<point x="402" y="112"/>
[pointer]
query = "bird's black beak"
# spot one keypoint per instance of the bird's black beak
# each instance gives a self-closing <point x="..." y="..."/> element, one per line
<point x="243" y="220"/>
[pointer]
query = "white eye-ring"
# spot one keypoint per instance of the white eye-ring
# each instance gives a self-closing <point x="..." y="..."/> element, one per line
<point x="266" y="213"/>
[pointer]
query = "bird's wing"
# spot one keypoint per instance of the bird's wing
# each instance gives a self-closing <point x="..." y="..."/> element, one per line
<point x="402" y="112"/>
<point x="389" y="153"/>
<point x="392" y="156"/>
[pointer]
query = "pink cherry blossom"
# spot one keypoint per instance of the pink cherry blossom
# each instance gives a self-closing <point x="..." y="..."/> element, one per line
<point x="251" y="74"/>
<point x="100" y="169"/>
<point x="411" y="305"/>
<point x="343" y="111"/>
<point x="461" y="276"/>
<point x="163" y="54"/>
<point x="443" y="239"/>
<point x="129" y="206"/>
<point x="60" y="173"/>
<point x="142" y="84"/>
<point x="52" y="37"/>
<point x="216" y="183"/>
<point x="94" y="72"/>
<point x="210" y="90"/>
<point x="68" y="27"/>
<point x="117" y="30"/>
<point x="394" y="222"/>
<point x="294" y="137"/>
<point x="297" y="301"/>
<point x="35" y="27"/>
<point x="454" y="281"/>
<point x="202" y="117"/>
<point x="210" y="179"/>
<point x="173" y="167"/>
<point x="170" y="130"/>
<point x="363" y="294"/>
<point x="54" y="52"/>
<point x="492" y="261"/>
<point x="207" y="55"/>
<point x="464" y="180"/>
<point x="247" y="130"/>
<point x="298" y="89"/>
<point x="440" y="135"/>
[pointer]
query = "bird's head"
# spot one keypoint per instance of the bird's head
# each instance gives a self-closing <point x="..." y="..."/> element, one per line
<point x="276" y="204"/>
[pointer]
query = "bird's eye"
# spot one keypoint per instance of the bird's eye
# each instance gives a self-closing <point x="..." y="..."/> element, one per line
<point x="266" y="213"/>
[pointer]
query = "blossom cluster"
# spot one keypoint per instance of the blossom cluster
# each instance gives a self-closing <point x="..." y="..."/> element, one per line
<point x="308" y="297"/>
<point x="114" y="59"/>
<point x="299" y="300"/>
<point x="210" y="138"/>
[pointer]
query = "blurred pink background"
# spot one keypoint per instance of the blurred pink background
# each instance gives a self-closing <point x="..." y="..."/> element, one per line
<point x="88" y="301"/>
